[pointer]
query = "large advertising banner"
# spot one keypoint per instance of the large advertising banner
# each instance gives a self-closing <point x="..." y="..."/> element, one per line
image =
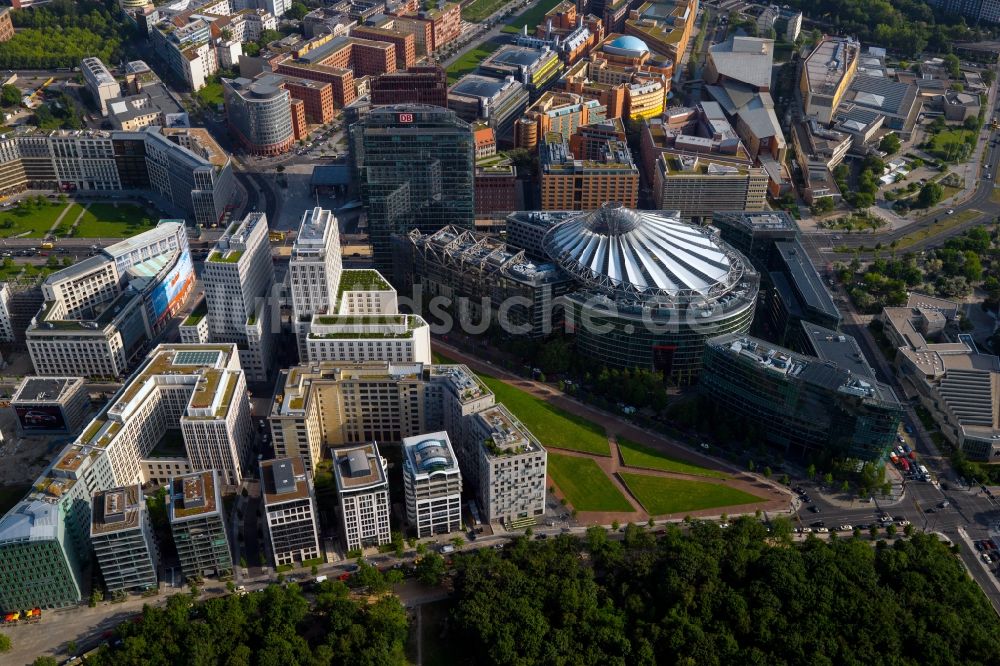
<point x="41" y="417"/>
<point x="174" y="287"/>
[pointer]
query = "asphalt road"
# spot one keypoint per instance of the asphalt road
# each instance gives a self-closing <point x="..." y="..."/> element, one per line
<point x="820" y="244"/>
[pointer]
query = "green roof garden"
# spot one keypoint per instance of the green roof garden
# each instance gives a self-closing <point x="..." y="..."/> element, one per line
<point x="229" y="257"/>
<point x="361" y="280"/>
<point x="197" y="315"/>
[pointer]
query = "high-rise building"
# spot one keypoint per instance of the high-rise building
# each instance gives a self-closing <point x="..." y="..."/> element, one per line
<point x="314" y="270"/>
<point x="198" y="526"/>
<point x="346" y="315"/>
<point x="198" y="390"/>
<point x="420" y="84"/>
<point x="697" y="186"/>
<point x="827" y="72"/>
<point x="122" y="535"/>
<point x="347" y="404"/>
<point x="433" y="485"/>
<point x="416" y="165"/>
<point x="101" y="312"/>
<point x="804" y="405"/>
<point x="237" y="277"/>
<point x="363" y="487"/>
<point x="567" y="183"/>
<point x="99" y="82"/>
<point x="260" y="114"/>
<point x="290" y="511"/>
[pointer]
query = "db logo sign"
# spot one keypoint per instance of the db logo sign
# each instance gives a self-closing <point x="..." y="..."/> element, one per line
<point x="406" y="117"/>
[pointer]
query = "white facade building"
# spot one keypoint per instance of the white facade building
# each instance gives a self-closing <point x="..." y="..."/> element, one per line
<point x="6" y="326"/>
<point x="364" y="496"/>
<point x="433" y="485"/>
<point x="237" y="278"/>
<point x="314" y="270"/>
<point x="99" y="82"/>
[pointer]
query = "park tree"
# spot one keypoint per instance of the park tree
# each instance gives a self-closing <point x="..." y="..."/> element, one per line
<point x="890" y="143"/>
<point x="430" y="569"/>
<point x="10" y="95"/>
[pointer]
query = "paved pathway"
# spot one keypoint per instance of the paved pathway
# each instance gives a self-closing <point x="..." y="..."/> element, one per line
<point x="55" y="225"/>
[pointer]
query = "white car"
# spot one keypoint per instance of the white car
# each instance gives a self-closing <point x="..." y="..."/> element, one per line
<point x="845" y="528"/>
<point x="821" y="530"/>
<point x="903" y="523"/>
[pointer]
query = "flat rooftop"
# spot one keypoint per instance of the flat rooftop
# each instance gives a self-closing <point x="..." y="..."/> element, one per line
<point x="483" y="87"/>
<point x="806" y="281"/>
<point x="45" y="390"/>
<point x="193" y="495"/>
<point x="517" y="56"/>
<point x="314" y="227"/>
<point x="829" y="62"/>
<point x="507" y="436"/>
<point x="283" y="480"/>
<point x="839" y="348"/>
<point x="116" y="510"/>
<point x="358" y="468"/>
<point x="430" y="453"/>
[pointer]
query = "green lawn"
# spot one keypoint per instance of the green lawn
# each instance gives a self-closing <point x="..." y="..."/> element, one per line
<point x="477" y="10"/>
<point x="552" y="426"/>
<point x="531" y="18"/>
<point x="638" y="455"/>
<point x="952" y="145"/>
<point x="585" y="484"/>
<point x="660" y="495"/>
<point x="112" y="221"/>
<point x="34" y="219"/>
<point x="470" y="60"/>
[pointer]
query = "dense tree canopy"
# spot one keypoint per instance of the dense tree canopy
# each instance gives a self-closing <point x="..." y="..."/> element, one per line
<point x="62" y="33"/>
<point x="275" y="627"/>
<point x="907" y="26"/>
<point x="735" y="596"/>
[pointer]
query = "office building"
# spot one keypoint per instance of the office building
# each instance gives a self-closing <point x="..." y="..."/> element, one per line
<point x="497" y="190"/>
<point x="181" y="387"/>
<point x="418" y="84"/>
<point x="697" y="186"/>
<point x="99" y="82"/>
<point x="827" y="73"/>
<point x="405" y="43"/>
<point x="187" y="49"/>
<point x="417" y="166"/>
<point x="290" y="510"/>
<point x="363" y="489"/>
<point x="316" y="97"/>
<point x="344" y="405"/>
<point x="338" y="61"/>
<point x="506" y="466"/>
<point x="314" y="271"/>
<point x="100" y="313"/>
<point x="260" y="114"/>
<point x="536" y="68"/>
<point x="50" y="405"/>
<point x="792" y="292"/>
<point x="346" y="315"/>
<point x="566" y="32"/>
<point x="665" y="26"/>
<point x="558" y="112"/>
<point x="628" y="79"/>
<point x="567" y="183"/>
<point x="433" y="27"/>
<point x="184" y="167"/>
<point x="198" y="525"/>
<point x="808" y="407"/>
<point x="41" y="559"/>
<point x="499" y="102"/>
<point x="946" y="372"/>
<point x="433" y="485"/>
<point x="122" y="535"/>
<point x="471" y="267"/>
<point x="6" y="315"/>
<point x="238" y="276"/>
<point x="6" y="26"/>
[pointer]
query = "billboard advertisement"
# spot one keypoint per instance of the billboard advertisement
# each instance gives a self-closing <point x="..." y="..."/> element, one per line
<point x="174" y="288"/>
<point x="40" y="417"/>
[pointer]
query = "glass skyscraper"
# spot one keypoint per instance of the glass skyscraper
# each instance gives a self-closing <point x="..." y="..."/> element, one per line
<point x="416" y="165"/>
